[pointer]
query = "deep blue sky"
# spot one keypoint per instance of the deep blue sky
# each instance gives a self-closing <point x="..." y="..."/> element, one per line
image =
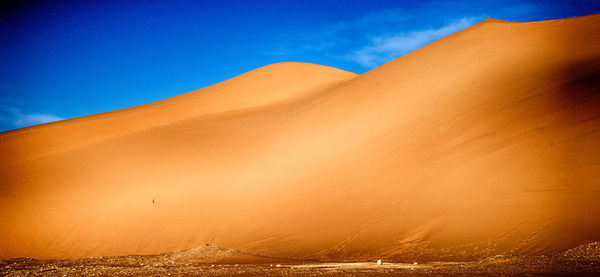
<point x="64" y="59"/>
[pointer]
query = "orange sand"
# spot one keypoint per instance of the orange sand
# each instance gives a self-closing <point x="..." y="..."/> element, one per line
<point x="484" y="142"/>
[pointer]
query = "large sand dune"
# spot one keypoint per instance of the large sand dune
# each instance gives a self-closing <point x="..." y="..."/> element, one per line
<point x="484" y="142"/>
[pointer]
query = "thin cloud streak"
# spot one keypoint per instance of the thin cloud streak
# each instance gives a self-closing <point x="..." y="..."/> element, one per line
<point x="11" y="118"/>
<point x="35" y="119"/>
<point x="336" y="39"/>
<point x="384" y="49"/>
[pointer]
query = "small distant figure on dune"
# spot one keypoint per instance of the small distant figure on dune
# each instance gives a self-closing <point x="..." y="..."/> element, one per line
<point x="153" y="201"/>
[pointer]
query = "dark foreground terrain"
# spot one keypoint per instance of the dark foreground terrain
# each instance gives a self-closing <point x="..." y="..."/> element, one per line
<point x="213" y="261"/>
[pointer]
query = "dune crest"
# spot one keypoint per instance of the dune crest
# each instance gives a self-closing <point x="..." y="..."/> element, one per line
<point x="485" y="142"/>
<point x="260" y="87"/>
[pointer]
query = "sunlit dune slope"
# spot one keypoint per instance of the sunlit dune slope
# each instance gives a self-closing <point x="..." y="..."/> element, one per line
<point x="484" y="142"/>
<point x="263" y="86"/>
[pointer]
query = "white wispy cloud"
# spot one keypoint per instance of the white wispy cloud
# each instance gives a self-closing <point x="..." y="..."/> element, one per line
<point x="384" y="49"/>
<point x="35" y="119"/>
<point x="329" y="38"/>
<point x="11" y="118"/>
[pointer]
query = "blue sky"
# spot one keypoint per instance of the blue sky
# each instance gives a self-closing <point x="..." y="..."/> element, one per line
<point x="64" y="59"/>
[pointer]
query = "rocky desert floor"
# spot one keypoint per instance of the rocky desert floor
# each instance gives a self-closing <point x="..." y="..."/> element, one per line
<point x="214" y="261"/>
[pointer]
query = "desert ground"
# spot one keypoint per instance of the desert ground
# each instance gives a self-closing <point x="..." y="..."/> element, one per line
<point x="214" y="261"/>
<point x="483" y="143"/>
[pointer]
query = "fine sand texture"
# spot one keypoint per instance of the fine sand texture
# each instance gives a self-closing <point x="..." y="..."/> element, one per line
<point x="485" y="142"/>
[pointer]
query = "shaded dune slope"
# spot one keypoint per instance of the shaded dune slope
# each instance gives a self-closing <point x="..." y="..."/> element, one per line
<point x="484" y="142"/>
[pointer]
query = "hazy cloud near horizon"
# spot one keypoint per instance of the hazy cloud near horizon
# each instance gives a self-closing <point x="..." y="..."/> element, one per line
<point x="17" y="119"/>
<point x="374" y="38"/>
<point x="387" y="48"/>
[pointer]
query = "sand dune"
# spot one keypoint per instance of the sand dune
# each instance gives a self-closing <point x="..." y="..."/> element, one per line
<point x="484" y="142"/>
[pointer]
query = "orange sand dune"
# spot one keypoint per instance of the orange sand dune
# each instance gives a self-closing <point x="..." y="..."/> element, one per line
<point x="484" y="142"/>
